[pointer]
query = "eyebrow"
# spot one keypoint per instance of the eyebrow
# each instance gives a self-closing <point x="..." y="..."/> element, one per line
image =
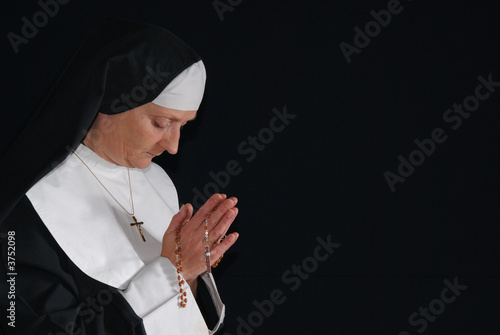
<point x="173" y="117"/>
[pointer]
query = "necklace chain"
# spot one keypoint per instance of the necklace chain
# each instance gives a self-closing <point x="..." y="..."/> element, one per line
<point x="100" y="182"/>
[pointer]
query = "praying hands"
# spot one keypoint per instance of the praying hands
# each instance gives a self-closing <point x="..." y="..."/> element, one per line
<point x="220" y="213"/>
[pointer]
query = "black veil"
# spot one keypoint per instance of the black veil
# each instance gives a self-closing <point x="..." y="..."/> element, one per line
<point x="120" y="65"/>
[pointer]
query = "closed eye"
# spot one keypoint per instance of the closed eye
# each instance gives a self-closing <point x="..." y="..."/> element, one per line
<point x="157" y="125"/>
<point x="160" y="125"/>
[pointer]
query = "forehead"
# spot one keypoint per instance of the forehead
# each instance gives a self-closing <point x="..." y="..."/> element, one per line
<point x="174" y="114"/>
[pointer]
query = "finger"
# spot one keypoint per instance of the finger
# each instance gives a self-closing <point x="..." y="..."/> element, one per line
<point x="188" y="209"/>
<point x="223" y="225"/>
<point x="181" y="218"/>
<point x="221" y="248"/>
<point x="221" y="211"/>
<point x="209" y="206"/>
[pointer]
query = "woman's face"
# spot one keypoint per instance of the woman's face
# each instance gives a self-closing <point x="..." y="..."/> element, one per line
<point x="134" y="137"/>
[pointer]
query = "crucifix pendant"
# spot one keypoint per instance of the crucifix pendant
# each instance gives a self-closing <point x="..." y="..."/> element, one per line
<point x="138" y="225"/>
<point x="207" y="259"/>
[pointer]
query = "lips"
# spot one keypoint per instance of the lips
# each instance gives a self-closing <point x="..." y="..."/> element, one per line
<point x="153" y="155"/>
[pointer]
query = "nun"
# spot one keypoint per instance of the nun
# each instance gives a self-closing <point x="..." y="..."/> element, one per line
<point x="93" y="240"/>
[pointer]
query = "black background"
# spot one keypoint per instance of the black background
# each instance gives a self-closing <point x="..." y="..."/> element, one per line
<point x="322" y="176"/>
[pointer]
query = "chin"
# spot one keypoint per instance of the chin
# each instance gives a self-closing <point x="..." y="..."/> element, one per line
<point x="141" y="163"/>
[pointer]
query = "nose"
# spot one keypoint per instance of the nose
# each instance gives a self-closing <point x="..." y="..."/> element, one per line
<point x="170" y="140"/>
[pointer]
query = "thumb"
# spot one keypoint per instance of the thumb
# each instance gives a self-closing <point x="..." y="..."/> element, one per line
<point x="181" y="218"/>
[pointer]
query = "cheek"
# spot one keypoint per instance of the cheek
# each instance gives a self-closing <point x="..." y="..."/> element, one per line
<point x="145" y="137"/>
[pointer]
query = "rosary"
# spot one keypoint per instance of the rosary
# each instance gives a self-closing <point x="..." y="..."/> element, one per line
<point x="177" y="234"/>
<point x="178" y="257"/>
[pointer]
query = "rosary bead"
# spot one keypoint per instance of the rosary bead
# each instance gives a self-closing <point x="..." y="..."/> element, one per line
<point x="178" y="264"/>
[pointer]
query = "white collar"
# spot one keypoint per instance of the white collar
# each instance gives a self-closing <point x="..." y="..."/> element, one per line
<point x="91" y="228"/>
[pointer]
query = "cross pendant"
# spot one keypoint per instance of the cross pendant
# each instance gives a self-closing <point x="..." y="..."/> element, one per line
<point x="138" y="225"/>
<point x="207" y="258"/>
